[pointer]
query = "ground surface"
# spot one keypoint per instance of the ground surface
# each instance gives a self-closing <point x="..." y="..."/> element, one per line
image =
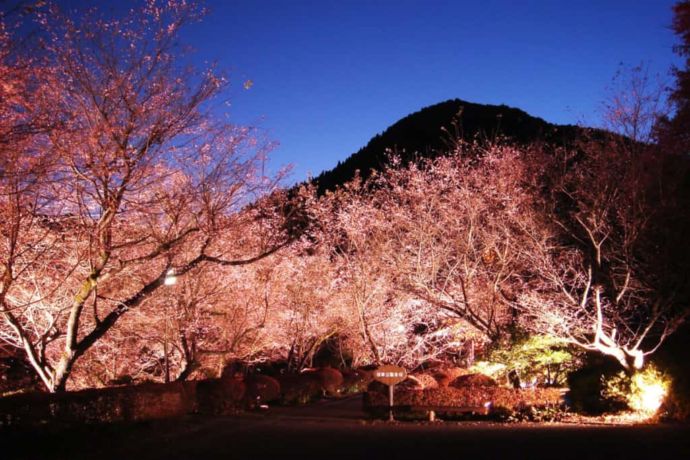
<point x="338" y="429"/>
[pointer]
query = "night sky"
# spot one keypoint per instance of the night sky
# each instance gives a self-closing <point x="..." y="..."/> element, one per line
<point x="328" y="75"/>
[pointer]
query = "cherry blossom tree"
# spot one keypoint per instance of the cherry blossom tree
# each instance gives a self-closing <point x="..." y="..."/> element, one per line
<point x="430" y="257"/>
<point x="352" y="224"/>
<point x="463" y="233"/>
<point x="585" y="245"/>
<point x="310" y="311"/>
<point x="141" y="180"/>
<point x="612" y="266"/>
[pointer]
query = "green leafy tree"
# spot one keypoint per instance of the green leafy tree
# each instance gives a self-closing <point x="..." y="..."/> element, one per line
<point x="538" y="359"/>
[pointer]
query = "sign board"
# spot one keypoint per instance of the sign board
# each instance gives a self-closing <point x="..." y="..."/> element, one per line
<point x="390" y="375"/>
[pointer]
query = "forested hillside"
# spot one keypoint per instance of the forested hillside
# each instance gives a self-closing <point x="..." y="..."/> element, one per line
<point x="428" y="133"/>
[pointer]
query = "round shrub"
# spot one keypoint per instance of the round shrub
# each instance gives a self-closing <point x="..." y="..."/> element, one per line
<point x="442" y="378"/>
<point x="299" y="389"/>
<point x="426" y="380"/>
<point x="329" y="379"/>
<point x="261" y="389"/>
<point x="411" y="383"/>
<point x="473" y="380"/>
<point x="355" y="380"/>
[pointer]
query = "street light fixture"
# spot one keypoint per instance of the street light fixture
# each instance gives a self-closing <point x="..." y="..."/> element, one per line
<point x="170" y="278"/>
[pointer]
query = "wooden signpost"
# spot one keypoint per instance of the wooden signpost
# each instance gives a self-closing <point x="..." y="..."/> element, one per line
<point x="390" y="375"/>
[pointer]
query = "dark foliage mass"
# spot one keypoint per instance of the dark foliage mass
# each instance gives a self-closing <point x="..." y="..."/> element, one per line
<point x="674" y="137"/>
<point x="15" y="373"/>
<point x="428" y="133"/>
<point x="674" y="133"/>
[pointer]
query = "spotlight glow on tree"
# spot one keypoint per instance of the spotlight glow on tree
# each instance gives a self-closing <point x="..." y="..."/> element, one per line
<point x="648" y="390"/>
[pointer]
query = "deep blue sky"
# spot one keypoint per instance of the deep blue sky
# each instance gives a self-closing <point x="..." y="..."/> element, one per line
<point x="328" y="75"/>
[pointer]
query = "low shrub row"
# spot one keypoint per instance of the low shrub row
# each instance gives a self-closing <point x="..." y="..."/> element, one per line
<point x="229" y="394"/>
<point x="464" y="391"/>
<point x="141" y="402"/>
<point x="480" y="396"/>
<point x="155" y="401"/>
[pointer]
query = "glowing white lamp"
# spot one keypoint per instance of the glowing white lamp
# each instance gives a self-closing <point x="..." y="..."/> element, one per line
<point x="170" y="278"/>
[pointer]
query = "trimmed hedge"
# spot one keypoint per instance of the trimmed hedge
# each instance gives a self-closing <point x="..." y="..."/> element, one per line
<point x="477" y="396"/>
<point x="141" y="402"/>
<point x="154" y="400"/>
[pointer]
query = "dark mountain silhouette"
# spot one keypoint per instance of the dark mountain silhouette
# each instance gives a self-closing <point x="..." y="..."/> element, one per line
<point x="427" y="133"/>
